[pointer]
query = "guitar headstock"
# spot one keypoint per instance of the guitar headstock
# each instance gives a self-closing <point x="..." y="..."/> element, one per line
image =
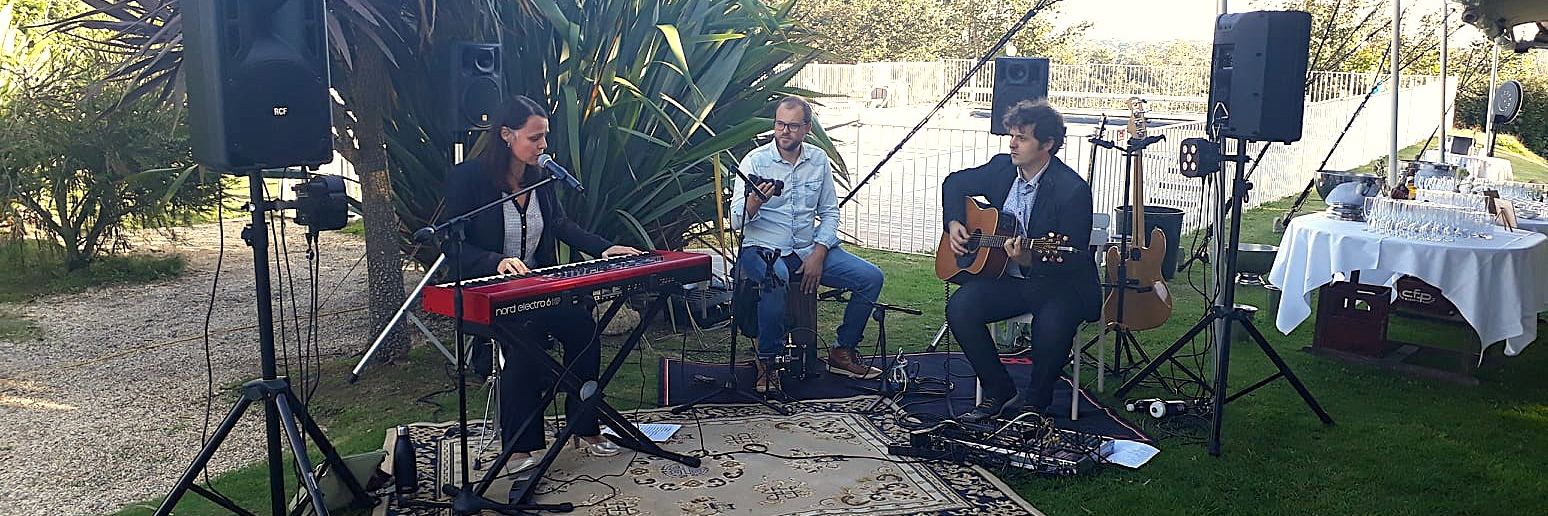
<point x="1137" y="121"/>
<point x="1050" y="248"/>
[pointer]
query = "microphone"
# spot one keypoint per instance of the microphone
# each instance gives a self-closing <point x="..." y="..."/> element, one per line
<point x="424" y="235"/>
<point x="560" y="173"/>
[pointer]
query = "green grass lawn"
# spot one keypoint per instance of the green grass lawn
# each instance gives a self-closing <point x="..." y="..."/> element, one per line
<point x="1401" y="445"/>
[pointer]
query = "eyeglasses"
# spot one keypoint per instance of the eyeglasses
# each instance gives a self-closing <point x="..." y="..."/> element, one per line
<point x="781" y="125"/>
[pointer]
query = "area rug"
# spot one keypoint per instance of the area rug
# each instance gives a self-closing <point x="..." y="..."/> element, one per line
<point x="827" y="459"/>
<point x="683" y="381"/>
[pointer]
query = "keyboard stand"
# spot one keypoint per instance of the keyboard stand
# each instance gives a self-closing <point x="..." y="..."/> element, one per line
<point x="591" y="392"/>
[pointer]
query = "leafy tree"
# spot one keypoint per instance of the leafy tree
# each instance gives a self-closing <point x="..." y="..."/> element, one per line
<point x="83" y="176"/>
<point x="857" y="31"/>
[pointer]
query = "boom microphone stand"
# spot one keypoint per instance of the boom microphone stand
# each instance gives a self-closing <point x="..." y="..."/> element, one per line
<point x="1225" y="310"/>
<point x="279" y="401"/>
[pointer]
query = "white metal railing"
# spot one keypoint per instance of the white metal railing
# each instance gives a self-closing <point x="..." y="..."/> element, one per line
<point x="1170" y="89"/>
<point x="900" y="209"/>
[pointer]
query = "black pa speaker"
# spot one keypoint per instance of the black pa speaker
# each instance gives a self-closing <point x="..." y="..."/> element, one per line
<point x="257" y="78"/>
<point x="1257" y="78"/>
<point x="472" y="85"/>
<point x="1016" y="79"/>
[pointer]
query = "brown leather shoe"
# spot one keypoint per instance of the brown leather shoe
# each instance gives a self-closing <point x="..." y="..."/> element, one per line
<point x="768" y="376"/>
<point x="846" y="361"/>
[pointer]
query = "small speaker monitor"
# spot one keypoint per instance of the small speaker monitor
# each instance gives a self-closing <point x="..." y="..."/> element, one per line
<point x="1016" y="79"/>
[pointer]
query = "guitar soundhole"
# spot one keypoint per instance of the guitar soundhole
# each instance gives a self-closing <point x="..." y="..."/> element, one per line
<point x="966" y="260"/>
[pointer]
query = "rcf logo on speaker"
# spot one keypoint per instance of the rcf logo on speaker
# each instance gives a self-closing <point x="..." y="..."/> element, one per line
<point x="281" y="110"/>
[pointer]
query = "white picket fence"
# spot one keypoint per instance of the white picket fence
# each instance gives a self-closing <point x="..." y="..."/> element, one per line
<point x="899" y="209"/>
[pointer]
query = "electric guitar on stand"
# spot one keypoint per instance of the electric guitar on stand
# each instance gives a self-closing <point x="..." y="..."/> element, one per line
<point x="1147" y="304"/>
<point x="986" y="247"/>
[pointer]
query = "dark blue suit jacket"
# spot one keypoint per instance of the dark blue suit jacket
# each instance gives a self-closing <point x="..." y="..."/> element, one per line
<point x="1063" y="206"/>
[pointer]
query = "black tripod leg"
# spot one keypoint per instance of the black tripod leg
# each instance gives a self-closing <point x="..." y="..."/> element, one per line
<point x="298" y="449"/>
<point x="220" y="500"/>
<point x="1164" y="356"/>
<point x="1284" y="369"/>
<point x="187" y="480"/>
<point x="732" y="388"/>
<point x="330" y="454"/>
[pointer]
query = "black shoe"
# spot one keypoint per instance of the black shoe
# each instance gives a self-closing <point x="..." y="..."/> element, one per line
<point x="992" y="407"/>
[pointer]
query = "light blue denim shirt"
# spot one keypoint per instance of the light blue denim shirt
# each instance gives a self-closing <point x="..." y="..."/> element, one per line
<point x="807" y="213"/>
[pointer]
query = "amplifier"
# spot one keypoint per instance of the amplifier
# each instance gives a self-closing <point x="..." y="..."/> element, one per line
<point x="703" y="304"/>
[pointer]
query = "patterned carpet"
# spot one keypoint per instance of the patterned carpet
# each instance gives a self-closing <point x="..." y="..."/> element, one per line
<point x="808" y="480"/>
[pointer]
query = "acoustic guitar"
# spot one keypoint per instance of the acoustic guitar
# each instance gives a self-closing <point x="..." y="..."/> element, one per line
<point x="1146" y="304"/>
<point x="989" y="230"/>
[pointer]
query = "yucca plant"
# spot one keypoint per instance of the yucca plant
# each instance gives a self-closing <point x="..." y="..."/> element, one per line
<point x="647" y="93"/>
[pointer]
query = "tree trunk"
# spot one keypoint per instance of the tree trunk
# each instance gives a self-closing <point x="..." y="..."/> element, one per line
<point x="384" y="260"/>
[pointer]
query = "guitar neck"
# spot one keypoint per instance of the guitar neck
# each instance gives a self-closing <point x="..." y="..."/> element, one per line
<point x="1138" y="194"/>
<point x="1026" y="243"/>
<point x="1137" y="131"/>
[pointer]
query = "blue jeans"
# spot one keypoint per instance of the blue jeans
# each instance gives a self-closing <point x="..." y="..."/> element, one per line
<point x="839" y="270"/>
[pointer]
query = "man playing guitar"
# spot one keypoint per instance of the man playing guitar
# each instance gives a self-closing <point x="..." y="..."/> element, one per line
<point x="1045" y="196"/>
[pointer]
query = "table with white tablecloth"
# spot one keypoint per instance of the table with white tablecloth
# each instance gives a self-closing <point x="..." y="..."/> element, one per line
<point x="1498" y="284"/>
<point x="1482" y="167"/>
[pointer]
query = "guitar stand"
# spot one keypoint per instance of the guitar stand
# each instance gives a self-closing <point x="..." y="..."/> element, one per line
<point x="1124" y="342"/>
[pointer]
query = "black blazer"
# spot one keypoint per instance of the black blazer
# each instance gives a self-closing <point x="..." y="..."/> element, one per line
<point x="1063" y="206"/>
<point x="468" y="187"/>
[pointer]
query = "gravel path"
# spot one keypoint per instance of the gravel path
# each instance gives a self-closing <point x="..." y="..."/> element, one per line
<point x="108" y="407"/>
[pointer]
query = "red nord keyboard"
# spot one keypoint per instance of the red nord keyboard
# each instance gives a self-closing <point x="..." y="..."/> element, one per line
<point x="492" y="298"/>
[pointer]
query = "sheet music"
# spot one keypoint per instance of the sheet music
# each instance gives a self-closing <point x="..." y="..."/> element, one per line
<point x="657" y="432"/>
<point x="1132" y="454"/>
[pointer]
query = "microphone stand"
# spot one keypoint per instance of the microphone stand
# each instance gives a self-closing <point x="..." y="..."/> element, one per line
<point x="879" y="310"/>
<point x="466" y="499"/>
<point x="732" y="385"/>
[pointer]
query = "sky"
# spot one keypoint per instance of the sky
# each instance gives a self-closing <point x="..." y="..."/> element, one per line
<point x="1143" y="20"/>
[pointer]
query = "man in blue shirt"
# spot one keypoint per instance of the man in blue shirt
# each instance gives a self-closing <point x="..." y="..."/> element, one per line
<point x="801" y="226"/>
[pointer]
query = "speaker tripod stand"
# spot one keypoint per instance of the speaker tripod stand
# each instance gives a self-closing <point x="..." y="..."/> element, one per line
<point x="1224" y="315"/>
<point x="281" y="406"/>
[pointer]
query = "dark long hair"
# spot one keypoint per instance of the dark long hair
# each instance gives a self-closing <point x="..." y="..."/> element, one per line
<point x="496" y="158"/>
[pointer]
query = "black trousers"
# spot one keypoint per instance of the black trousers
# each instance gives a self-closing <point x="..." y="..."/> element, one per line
<point x="1056" y="317"/>
<point x="522" y="381"/>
